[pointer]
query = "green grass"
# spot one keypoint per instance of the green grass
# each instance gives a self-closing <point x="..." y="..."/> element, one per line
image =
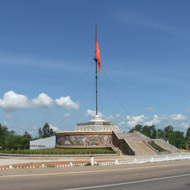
<point x="157" y="147"/>
<point x="62" y="151"/>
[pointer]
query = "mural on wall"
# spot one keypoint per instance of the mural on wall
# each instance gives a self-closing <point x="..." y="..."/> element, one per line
<point x="83" y="140"/>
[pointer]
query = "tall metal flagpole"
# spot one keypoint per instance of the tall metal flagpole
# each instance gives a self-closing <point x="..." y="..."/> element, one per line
<point x="96" y="73"/>
<point x="96" y="88"/>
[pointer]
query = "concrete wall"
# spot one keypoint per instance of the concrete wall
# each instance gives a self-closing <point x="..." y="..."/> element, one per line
<point x="122" y="145"/>
<point x="43" y="143"/>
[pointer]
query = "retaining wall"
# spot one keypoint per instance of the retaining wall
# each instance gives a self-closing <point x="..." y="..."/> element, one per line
<point x="122" y="145"/>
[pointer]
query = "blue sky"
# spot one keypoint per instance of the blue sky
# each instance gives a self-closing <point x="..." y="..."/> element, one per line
<point x="47" y="67"/>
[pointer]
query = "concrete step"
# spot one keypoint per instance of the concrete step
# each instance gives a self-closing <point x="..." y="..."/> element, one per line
<point x="141" y="148"/>
<point x="136" y="142"/>
<point x="131" y="136"/>
<point x="166" y="146"/>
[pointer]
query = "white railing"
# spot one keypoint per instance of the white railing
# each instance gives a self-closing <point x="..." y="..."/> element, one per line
<point x="148" y="160"/>
<point x="135" y="160"/>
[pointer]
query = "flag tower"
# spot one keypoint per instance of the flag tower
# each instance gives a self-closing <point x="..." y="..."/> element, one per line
<point x="97" y="124"/>
<point x="98" y="66"/>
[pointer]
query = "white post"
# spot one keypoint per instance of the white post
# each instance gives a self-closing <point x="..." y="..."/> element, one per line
<point x="92" y="160"/>
<point x="116" y="162"/>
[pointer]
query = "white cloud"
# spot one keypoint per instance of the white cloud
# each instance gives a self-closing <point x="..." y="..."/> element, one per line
<point x="150" y="109"/>
<point x="109" y="118"/>
<point x="118" y="115"/>
<point x="67" y="103"/>
<point x="128" y="117"/>
<point x="177" y="117"/>
<point x="5" y="123"/>
<point x="12" y="101"/>
<point x="154" y="121"/>
<point x="161" y="121"/>
<point x="67" y="115"/>
<point x="43" y="100"/>
<point x="92" y="113"/>
<point x="185" y="125"/>
<point x="134" y="120"/>
<point x="122" y="123"/>
<point x="54" y="128"/>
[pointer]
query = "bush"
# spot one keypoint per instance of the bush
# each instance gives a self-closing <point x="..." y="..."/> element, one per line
<point x="62" y="151"/>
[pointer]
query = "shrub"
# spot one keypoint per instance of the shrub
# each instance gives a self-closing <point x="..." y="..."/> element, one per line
<point x="61" y="151"/>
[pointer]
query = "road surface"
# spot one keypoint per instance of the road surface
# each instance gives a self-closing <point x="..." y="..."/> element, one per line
<point x="162" y="175"/>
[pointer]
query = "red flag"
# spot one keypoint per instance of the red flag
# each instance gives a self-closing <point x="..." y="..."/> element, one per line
<point x="97" y="55"/>
<point x="97" y="51"/>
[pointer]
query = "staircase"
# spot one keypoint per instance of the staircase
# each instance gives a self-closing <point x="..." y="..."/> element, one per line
<point x="141" y="148"/>
<point x="137" y="142"/>
<point x="166" y="146"/>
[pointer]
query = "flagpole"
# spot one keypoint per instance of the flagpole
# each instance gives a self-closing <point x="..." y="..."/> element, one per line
<point x="96" y="74"/>
<point x="96" y="87"/>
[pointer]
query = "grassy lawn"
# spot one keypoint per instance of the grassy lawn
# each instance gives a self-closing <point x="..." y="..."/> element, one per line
<point x="157" y="147"/>
<point x="62" y="151"/>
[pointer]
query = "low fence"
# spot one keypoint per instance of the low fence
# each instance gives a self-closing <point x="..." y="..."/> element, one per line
<point x="136" y="160"/>
<point x="147" y="160"/>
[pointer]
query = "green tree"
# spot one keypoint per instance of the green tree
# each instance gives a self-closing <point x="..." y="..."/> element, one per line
<point x="150" y="131"/>
<point x="12" y="133"/>
<point x="160" y="133"/>
<point x="10" y="140"/>
<point x="188" y="135"/>
<point x="25" y="140"/>
<point x="138" y="128"/>
<point x="188" y="138"/>
<point x="167" y="130"/>
<point x="17" y="142"/>
<point x="46" y="131"/>
<point x="40" y="133"/>
<point x="26" y="134"/>
<point x="3" y="133"/>
<point x="177" y="139"/>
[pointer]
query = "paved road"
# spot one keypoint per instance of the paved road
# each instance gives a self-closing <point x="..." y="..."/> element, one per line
<point x="166" y="175"/>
